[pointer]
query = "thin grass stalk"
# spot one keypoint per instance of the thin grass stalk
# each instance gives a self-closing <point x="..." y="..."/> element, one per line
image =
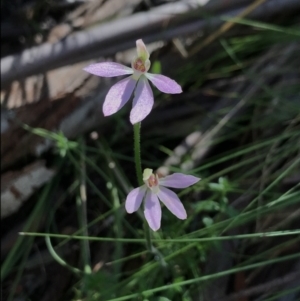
<point x="138" y="168"/>
<point x="31" y="224"/>
<point x="82" y="211"/>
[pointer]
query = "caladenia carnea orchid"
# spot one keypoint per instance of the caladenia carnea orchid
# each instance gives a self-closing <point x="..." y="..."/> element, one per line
<point x="153" y="190"/>
<point x="120" y="93"/>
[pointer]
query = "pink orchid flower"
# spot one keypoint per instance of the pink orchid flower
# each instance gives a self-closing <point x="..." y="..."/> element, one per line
<point x="120" y="93"/>
<point x="154" y="189"/>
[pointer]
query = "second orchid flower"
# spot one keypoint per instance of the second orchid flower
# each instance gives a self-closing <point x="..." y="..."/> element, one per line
<point x="154" y="190"/>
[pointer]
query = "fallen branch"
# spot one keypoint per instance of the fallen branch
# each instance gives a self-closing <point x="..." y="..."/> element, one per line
<point x="162" y="23"/>
<point x="18" y="186"/>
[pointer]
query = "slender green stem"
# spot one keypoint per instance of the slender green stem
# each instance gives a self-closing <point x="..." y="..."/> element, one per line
<point x="138" y="168"/>
<point x="21" y="267"/>
<point x="58" y="259"/>
<point x="31" y="225"/>
<point x="82" y="210"/>
<point x="262" y="235"/>
<point x="137" y="152"/>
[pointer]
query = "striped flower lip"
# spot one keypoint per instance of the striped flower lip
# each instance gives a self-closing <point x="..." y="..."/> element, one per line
<point x="154" y="190"/>
<point x="137" y="82"/>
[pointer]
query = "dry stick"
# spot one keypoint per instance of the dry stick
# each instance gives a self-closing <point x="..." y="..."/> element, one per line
<point x="263" y="287"/>
<point x="105" y="39"/>
<point x="161" y="23"/>
<point x="225" y="27"/>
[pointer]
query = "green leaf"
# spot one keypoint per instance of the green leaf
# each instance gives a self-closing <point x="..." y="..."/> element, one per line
<point x="100" y="281"/>
<point x="156" y="67"/>
<point x="207" y="206"/>
<point x="207" y="221"/>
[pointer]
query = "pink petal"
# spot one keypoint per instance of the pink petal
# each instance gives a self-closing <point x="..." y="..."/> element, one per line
<point x="164" y="83"/>
<point x="142" y="102"/>
<point x="108" y="69"/>
<point x="178" y="180"/>
<point x="152" y="210"/>
<point x="118" y="95"/>
<point x="172" y="202"/>
<point x="135" y="198"/>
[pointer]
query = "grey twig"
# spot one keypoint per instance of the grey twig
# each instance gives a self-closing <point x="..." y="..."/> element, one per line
<point x="164" y="22"/>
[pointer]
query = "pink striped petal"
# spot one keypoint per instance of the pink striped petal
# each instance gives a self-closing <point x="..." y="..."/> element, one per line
<point x="178" y="180"/>
<point x="135" y="198"/>
<point x="108" y="69"/>
<point x="152" y="210"/>
<point x="172" y="202"/>
<point x="118" y="95"/>
<point x="164" y="83"/>
<point x="142" y="102"/>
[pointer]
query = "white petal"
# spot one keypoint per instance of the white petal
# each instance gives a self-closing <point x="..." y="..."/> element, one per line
<point x="142" y="102"/>
<point x="178" y="180"/>
<point x="118" y="95"/>
<point x="164" y="83"/>
<point x="108" y="69"/>
<point x="135" y="198"/>
<point x="152" y="210"/>
<point x="172" y="202"/>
